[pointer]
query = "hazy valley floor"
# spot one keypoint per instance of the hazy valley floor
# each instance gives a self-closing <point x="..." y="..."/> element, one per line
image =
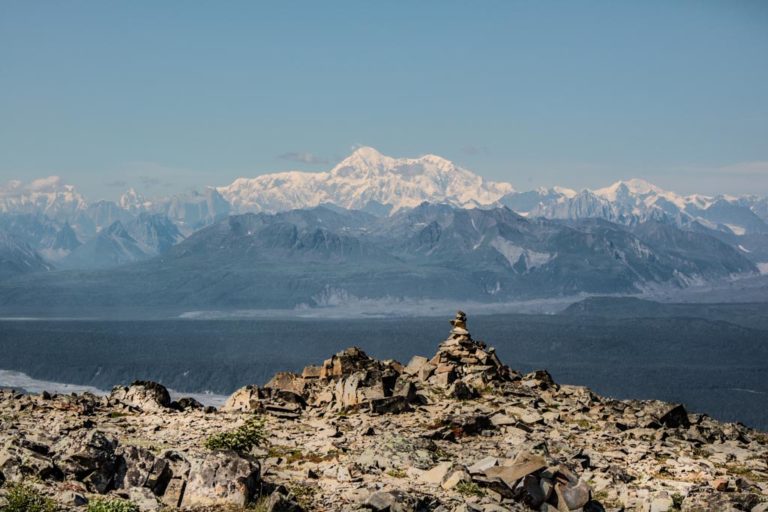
<point x="712" y="366"/>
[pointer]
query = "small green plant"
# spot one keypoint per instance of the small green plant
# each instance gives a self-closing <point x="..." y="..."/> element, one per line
<point x="677" y="501"/>
<point x="260" y="505"/>
<point x="252" y="433"/>
<point x="112" y="505"/>
<point x="25" y="498"/>
<point x="397" y="473"/>
<point x="469" y="489"/>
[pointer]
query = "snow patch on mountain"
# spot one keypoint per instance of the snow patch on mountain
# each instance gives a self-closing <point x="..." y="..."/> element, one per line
<point x="510" y="251"/>
<point x="516" y="255"/>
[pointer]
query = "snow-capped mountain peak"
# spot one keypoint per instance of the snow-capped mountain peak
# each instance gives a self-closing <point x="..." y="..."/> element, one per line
<point x="50" y="196"/>
<point x="367" y="179"/>
<point x="631" y="187"/>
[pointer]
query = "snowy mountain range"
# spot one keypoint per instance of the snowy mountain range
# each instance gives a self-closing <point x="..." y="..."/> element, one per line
<point x="637" y="200"/>
<point x="68" y="231"/>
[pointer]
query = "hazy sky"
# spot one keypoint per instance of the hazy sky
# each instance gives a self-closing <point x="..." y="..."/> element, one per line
<point x="170" y="95"/>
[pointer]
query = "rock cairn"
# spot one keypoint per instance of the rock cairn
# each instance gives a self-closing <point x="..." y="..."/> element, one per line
<point x="461" y="362"/>
<point x="351" y="379"/>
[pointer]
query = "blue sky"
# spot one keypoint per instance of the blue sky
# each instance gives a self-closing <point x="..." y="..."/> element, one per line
<point x="171" y="95"/>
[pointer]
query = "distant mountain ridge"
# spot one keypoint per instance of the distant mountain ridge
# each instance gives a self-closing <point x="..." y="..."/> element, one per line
<point x="55" y="220"/>
<point x="322" y="256"/>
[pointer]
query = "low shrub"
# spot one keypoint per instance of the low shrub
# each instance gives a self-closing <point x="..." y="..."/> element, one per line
<point x="469" y="489"/>
<point x="252" y="433"/>
<point x="25" y="498"/>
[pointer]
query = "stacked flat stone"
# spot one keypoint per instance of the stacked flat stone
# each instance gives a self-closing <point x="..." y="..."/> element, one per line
<point x="460" y="358"/>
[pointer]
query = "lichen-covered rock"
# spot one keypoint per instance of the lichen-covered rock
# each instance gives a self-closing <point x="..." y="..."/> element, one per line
<point x="87" y="456"/>
<point x="138" y="467"/>
<point x="221" y="478"/>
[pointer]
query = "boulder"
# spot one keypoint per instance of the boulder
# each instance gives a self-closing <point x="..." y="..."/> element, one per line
<point x="281" y="501"/>
<point x="138" y="467"/>
<point x="674" y="416"/>
<point x="437" y="474"/>
<point x="187" y="404"/>
<point x="179" y="469"/>
<point x="523" y="464"/>
<point x="391" y="501"/>
<point x="221" y="478"/>
<point x="415" y="365"/>
<point x="287" y="381"/>
<point x="87" y="456"/>
<point x="245" y="399"/>
<point x="146" y="395"/>
<point x="460" y="390"/>
<point x="344" y="363"/>
<point x="18" y="463"/>
<point x="144" y="499"/>
<point x="454" y="477"/>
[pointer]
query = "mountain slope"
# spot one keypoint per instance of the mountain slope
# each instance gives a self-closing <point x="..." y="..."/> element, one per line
<point x="111" y="247"/>
<point x="155" y="233"/>
<point x="367" y="180"/>
<point x="18" y="258"/>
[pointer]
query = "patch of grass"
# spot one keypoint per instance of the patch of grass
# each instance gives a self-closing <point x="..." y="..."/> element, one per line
<point x="155" y="447"/>
<point x="305" y="494"/>
<point x="25" y="498"/>
<point x="260" y="505"/>
<point x="469" y="489"/>
<point x="442" y="454"/>
<point x="112" y="505"/>
<point x="252" y="433"/>
<point x="117" y="414"/>
<point x="8" y="418"/>
<point x="585" y="424"/>
<point x="397" y="473"/>
<point x="700" y="452"/>
<point x="677" y="502"/>
<point x="605" y="500"/>
<point x="746" y="473"/>
<point x="290" y="455"/>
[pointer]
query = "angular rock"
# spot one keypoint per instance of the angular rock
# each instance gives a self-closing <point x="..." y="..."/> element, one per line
<point x="187" y="404"/>
<point x="523" y="464"/>
<point x="221" y="478"/>
<point x="87" y="456"/>
<point x="245" y="399"/>
<point x="138" y="467"/>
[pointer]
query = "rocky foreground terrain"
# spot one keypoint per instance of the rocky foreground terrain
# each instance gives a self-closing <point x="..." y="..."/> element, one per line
<point x="457" y="432"/>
